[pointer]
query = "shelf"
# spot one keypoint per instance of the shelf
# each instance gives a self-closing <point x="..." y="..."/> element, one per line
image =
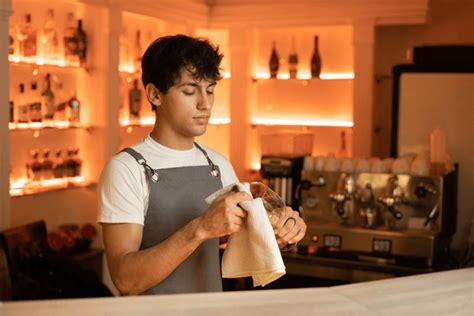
<point x="150" y="121"/>
<point x="305" y="77"/>
<point x="59" y="64"/>
<point x="300" y="122"/>
<point x="43" y="125"/>
<point x="21" y="187"/>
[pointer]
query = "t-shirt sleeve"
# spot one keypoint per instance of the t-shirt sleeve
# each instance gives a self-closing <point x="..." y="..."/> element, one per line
<point x="228" y="175"/>
<point x="121" y="193"/>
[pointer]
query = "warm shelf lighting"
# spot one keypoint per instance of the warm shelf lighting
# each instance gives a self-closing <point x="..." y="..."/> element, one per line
<point x="150" y="121"/>
<point x="301" y="122"/>
<point x="41" y="61"/>
<point x="219" y="120"/>
<point x="307" y="76"/>
<point x="226" y="74"/>
<point x="22" y="186"/>
<point x="41" y="125"/>
<point x="127" y="68"/>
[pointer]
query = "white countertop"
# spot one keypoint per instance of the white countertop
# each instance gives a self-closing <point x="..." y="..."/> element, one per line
<point x="441" y="293"/>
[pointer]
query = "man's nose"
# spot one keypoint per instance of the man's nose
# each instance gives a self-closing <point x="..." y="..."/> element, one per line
<point x="205" y="101"/>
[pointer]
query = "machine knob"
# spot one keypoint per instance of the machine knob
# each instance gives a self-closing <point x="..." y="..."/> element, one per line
<point x="423" y="189"/>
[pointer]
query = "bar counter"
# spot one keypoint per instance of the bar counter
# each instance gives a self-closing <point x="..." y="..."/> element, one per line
<point x="440" y="293"/>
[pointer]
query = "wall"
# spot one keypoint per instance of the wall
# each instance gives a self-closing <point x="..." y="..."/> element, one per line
<point x="449" y="22"/>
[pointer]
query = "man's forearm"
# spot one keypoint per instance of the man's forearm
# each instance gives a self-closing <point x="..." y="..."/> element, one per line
<point x="140" y="270"/>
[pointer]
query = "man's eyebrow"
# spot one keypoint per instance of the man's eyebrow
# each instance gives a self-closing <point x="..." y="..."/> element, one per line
<point x="195" y="84"/>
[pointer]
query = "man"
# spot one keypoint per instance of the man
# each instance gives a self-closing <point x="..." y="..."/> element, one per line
<point x="159" y="234"/>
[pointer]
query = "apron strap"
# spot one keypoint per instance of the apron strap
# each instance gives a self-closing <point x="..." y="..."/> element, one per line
<point x="142" y="161"/>
<point x="215" y="169"/>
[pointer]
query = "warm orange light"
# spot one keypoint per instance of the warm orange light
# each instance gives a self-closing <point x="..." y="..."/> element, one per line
<point x="127" y="68"/>
<point x="40" y="125"/>
<point x="256" y="166"/>
<point x="219" y="120"/>
<point x="41" y="61"/>
<point x="150" y="121"/>
<point x="226" y="74"/>
<point x="303" y="75"/>
<point x="301" y="122"/>
<point x="24" y="186"/>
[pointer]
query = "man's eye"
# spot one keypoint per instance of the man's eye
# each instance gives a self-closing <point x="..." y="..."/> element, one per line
<point x="210" y="92"/>
<point x="188" y="92"/>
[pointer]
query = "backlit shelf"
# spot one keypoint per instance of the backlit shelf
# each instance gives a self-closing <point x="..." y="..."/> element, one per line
<point x="22" y="187"/>
<point x="301" y="122"/>
<point x="150" y="121"/>
<point x="40" y="62"/>
<point x="43" y="125"/>
<point x="305" y="76"/>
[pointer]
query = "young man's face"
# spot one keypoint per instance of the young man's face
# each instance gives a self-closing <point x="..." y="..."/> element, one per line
<point x="186" y="107"/>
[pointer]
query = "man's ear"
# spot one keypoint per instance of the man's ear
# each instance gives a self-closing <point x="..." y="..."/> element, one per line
<point x="153" y="94"/>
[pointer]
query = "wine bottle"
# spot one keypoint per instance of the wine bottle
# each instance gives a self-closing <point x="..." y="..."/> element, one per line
<point x="27" y="37"/>
<point x="49" y="38"/>
<point x="70" y="43"/>
<point x="77" y="165"/>
<point x="22" y="104"/>
<point x="48" y="99"/>
<point x="274" y="62"/>
<point x="33" y="166"/>
<point x="35" y="104"/>
<point x="81" y="40"/>
<point x="69" y="163"/>
<point x="11" y="45"/>
<point x="293" y="60"/>
<point x="135" y="102"/>
<point x="315" y="60"/>
<point x="58" y="167"/>
<point x="138" y="52"/>
<point x="46" y="166"/>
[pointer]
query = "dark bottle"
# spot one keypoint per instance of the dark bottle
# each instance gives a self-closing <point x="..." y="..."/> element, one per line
<point x="58" y="167"/>
<point x="293" y="60"/>
<point x="48" y="99"/>
<point x="138" y="52"/>
<point x="77" y="166"/>
<point x="11" y="45"/>
<point x="70" y="43"/>
<point x="23" y="114"/>
<point x="69" y="163"/>
<point x="342" y="151"/>
<point x="135" y="101"/>
<point x="46" y="166"/>
<point x="12" y="112"/>
<point x="274" y="62"/>
<point x="315" y="60"/>
<point x="81" y="41"/>
<point x="33" y="166"/>
<point x="35" y="105"/>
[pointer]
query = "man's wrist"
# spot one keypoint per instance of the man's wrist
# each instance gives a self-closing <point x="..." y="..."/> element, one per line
<point x="198" y="233"/>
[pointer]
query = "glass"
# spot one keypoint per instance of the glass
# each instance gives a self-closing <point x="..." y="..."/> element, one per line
<point x="272" y="202"/>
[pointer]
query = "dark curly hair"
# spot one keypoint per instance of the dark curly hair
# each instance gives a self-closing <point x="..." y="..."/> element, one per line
<point x="164" y="59"/>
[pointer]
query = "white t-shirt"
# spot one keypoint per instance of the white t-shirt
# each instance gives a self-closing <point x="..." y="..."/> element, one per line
<point x="124" y="189"/>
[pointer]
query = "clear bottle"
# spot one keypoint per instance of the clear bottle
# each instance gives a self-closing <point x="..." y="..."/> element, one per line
<point x="74" y="110"/>
<point x="49" y="39"/>
<point x="23" y="112"/>
<point x="138" y="52"/>
<point x="70" y="43"/>
<point x="293" y="60"/>
<point x="46" y="166"/>
<point x="48" y="99"/>
<point x="35" y="104"/>
<point x="135" y="102"/>
<point x="274" y="63"/>
<point x="33" y="166"/>
<point x="81" y="40"/>
<point x="316" y="60"/>
<point x="62" y="102"/>
<point x="27" y="38"/>
<point x="58" y="166"/>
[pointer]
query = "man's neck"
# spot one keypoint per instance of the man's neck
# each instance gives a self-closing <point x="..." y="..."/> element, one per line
<point x="171" y="140"/>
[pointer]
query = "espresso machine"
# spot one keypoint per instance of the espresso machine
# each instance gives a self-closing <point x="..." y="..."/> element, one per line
<point x="283" y="174"/>
<point x="388" y="219"/>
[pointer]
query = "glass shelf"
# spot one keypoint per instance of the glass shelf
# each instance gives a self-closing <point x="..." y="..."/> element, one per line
<point x="301" y="122"/>
<point x="43" y="125"/>
<point x="33" y="61"/>
<point x="22" y="187"/>
<point x="305" y="77"/>
<point x="150" y="121"/>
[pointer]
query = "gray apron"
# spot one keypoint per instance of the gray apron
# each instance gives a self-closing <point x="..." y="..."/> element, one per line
<point x="177" y="197"/>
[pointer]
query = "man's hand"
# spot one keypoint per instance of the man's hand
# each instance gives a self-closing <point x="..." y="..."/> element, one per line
<point x="290" y="227"/>
<point x="224" y="216"/>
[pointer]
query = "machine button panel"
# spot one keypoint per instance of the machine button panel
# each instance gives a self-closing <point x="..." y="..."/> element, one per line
<point x="381" y="245"/>
<point x="332" y="241"/>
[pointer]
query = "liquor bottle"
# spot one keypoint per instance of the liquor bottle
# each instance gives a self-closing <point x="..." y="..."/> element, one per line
<point x="342" y="151"/>
<point x="35" y="104"/>
<point x="138" y="52"/>
<point x="135" y="102"/>
<point x="58" y="166"/>
<point x="49" y="38"/>
<point x="70" y="43"/>
<point x="62" y="101"/>
<point x="315" y="60"/>
<point x="77" y="166"/>
<point x="12" y="112"/>
<point x="46" y="166"/>
<point x="81" y="40"/>
<point x="11" y="45"/>
<point x="274" y="62"/>
<point x="48" y="99"/>
<point x="124" y="54"/>
<point x="69" y="163"/>
<point x="33" y="166"/>
<point x="27" y="38"/>
<point x="23" y="114"/>
<point x="74" y="109"/>
<point x="293" y="60"/>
